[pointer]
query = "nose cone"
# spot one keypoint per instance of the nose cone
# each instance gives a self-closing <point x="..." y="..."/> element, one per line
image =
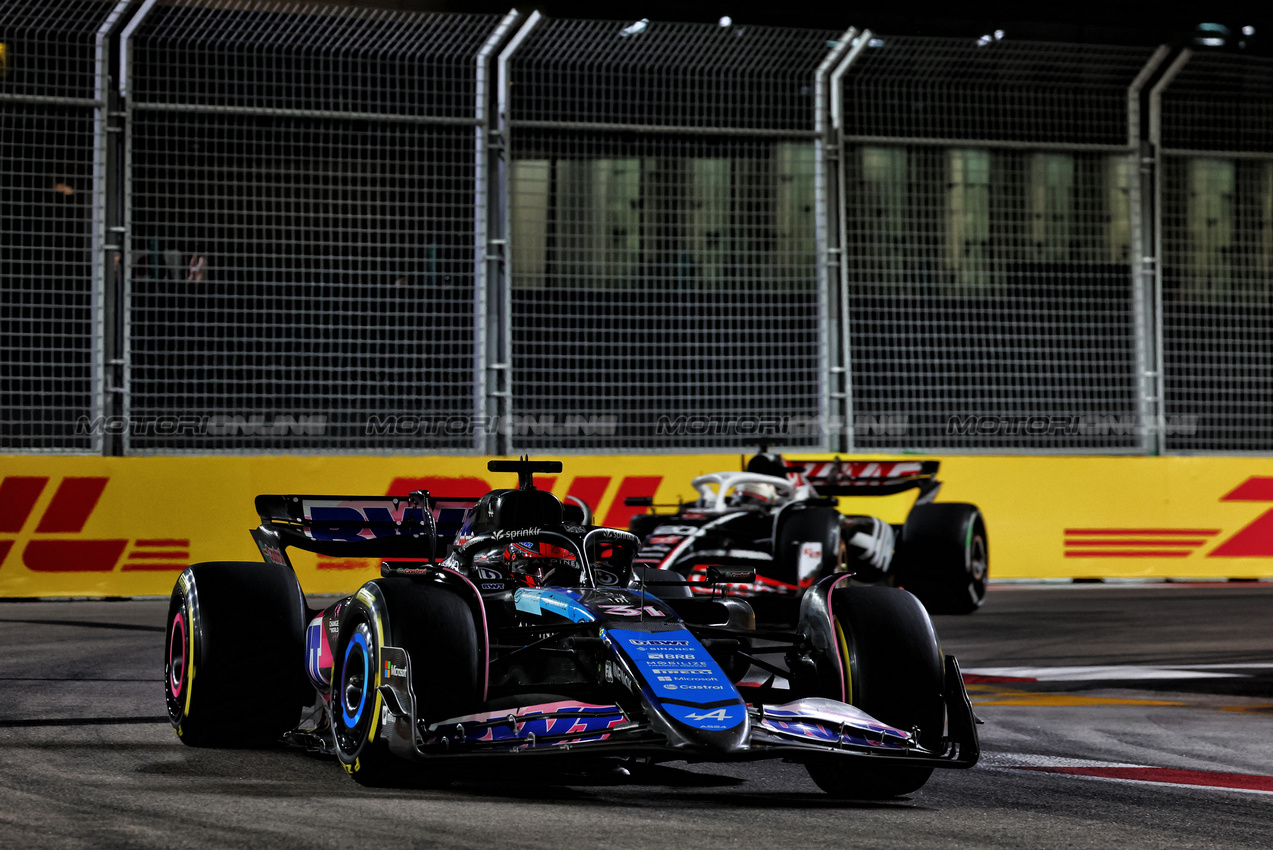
<point x="684" y="686"/>
<point x="724" y="728"/>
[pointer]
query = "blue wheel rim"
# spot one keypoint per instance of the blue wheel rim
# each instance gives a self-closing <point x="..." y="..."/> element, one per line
<point x="360" y="641"/>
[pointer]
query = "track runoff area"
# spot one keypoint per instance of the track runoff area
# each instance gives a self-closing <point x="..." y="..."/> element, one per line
<point x="1135" y="714"/>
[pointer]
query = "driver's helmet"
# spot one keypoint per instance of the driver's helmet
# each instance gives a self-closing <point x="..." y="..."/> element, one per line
<point x="536" y="564"/>
<point x="754" y="493"/>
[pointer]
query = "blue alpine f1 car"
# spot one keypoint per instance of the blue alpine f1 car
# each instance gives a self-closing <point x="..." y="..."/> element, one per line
<point x="509" y="626"/>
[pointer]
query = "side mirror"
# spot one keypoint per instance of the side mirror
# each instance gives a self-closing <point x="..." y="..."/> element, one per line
<point x="638" y="501"/>
<point x="731" y="575"/>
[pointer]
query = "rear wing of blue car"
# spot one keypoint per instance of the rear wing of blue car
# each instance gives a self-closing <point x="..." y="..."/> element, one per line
<point x="416" y="527"/>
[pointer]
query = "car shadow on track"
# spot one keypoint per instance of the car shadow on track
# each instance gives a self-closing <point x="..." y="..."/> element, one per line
<point x="602" y="775"/>
<point x="659" y="786"/>
<point x="284" y="773"/>
<point x="80" y="721"/>
<point x="88" y="624"/>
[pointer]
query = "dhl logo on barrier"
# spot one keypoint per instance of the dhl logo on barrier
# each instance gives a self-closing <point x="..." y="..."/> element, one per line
<point x="590" y="489"/>
<point x="57" y="545"/>
<point x="50" y="548"/>
<point x="96" y="526"/>
<point x="1254" y="540"/>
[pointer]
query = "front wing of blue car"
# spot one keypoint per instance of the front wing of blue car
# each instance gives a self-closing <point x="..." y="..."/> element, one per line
<point x="662" y="729"/>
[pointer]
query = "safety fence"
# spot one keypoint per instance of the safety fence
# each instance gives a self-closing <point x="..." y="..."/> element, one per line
<point x="1213" y="133"/>
<point x="250" y="226"/>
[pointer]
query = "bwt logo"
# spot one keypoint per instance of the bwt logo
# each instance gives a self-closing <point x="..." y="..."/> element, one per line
<point x="55" y="544"/>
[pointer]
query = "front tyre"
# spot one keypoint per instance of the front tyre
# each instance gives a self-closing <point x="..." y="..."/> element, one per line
<point x="357" y="705"/>
<point x="356" y="708"/>
<point x="895" y="673"/>
<point x="437" y="628"/>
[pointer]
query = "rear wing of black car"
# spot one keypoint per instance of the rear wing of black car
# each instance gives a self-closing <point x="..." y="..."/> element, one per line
<point x="846" y="477"/>
<point x="416" y="527"/>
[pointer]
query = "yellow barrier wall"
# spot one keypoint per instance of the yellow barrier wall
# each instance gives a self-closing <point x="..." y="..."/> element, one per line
<point x="92" y="526"/>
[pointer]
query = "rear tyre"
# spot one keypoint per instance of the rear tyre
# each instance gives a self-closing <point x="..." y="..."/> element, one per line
<point x="437" y="629"/>
<point x="814" y="529"/>
<point x="943" y="557"/>
<point x="234" y="655"/>
<point x="895" y="674"/>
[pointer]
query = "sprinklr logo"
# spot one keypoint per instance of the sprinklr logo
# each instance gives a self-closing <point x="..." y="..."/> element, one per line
<point x="56" y="544"/>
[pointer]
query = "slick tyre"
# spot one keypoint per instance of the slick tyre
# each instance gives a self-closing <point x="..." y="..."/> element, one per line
<point x="808" y="527"/>
<point x="234" y="654"/>
<point x="894" y="672"/>
<point x="943" y="557"/>
<point x="437" y="628"/>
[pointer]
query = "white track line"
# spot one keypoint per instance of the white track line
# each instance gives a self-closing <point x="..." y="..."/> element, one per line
<point x="1099" y="673"/>
<point x="1043" y="764"/>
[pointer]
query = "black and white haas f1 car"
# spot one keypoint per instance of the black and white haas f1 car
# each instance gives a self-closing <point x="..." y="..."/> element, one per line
<point x="782" y="519"/>
<point x="507" y="626"/>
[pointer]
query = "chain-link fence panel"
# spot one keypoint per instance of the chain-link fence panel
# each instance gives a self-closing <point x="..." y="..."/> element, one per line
<point x="301" y="189"/>
<point x="1216" y="176"/>
<point x="326" y="250"/>
<point x="50" y="113"/>
<point x="990" y="217"/>
<point x="661" y="221"/>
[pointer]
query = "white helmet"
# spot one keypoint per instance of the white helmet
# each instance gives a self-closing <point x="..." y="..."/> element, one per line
<point x="755" y="493"/>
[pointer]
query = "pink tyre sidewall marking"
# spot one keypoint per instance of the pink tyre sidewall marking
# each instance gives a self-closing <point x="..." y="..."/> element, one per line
<point x="177" y="675"/>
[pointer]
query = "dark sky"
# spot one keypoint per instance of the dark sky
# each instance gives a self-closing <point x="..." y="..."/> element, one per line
<point x="1089" y="21"/>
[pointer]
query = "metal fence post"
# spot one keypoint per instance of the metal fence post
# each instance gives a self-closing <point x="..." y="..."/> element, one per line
<point x="108" y="244"/>
<point x="123" y="369"/>
<point x="501" y="404"/>
<point x="1158" y="385"/>
<point x="849" y="441"/>
<point x="490" y="242"/>
<point x="828" y="184"/>
<point x="1144" y="262"/>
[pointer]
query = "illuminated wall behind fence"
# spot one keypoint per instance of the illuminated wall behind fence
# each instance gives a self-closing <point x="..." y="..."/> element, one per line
<point x="102" y="526"/>
<point x="258" y="227"/>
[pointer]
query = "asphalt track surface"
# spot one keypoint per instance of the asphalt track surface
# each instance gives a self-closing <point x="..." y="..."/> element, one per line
<point x="1114" y="716"/>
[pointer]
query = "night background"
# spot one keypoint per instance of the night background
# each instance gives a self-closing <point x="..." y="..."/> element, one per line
<point x="1088" y="22"/>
